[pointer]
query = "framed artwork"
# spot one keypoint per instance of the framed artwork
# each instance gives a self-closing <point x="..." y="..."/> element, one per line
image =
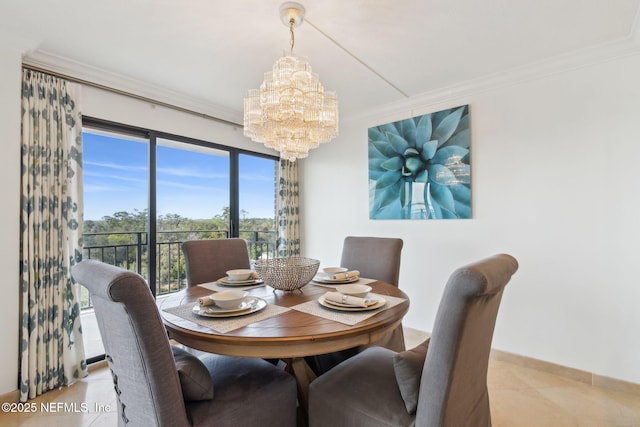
<point x="419" y="168"/>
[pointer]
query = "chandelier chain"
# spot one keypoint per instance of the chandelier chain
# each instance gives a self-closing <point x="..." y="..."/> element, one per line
<point x="292" y="42"/>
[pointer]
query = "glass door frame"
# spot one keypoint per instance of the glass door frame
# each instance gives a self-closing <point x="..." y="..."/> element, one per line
<point x="152" y="137"/>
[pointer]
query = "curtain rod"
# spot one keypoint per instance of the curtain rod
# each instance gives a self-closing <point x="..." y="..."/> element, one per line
<point x="129" y="94"/>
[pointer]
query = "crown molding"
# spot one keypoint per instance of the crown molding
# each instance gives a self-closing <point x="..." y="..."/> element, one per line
<point x="605" y="52"/>
<point x="119" y="83"/>
<point x="617" y="49"/>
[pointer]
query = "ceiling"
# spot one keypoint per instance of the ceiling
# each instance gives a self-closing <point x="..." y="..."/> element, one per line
<point x="372" y="52"/>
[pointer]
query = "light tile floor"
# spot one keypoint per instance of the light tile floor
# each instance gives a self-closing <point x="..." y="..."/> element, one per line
<point x="520" y="397"/>
<point x="96" y="391"/>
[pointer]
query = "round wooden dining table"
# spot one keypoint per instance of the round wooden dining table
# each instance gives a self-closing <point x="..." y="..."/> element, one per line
<point x="289" y="336"/>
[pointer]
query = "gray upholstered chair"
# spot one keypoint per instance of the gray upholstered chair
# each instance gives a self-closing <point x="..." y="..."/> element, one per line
<point x="209" y="260"/>
<point x="161" y="385"/>
<point x="442" y="382"/>
<point x="375" y="258"/>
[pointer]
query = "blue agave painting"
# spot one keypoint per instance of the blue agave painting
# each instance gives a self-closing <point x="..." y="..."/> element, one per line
<point x="419" y="168"/>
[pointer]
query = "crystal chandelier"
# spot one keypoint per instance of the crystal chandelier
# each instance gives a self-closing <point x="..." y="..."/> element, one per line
<point x="291" y="112"/>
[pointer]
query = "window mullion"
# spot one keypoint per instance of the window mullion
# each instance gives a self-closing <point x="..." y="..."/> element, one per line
<point x="152" y="220"/>
<point x="234" y="202"/>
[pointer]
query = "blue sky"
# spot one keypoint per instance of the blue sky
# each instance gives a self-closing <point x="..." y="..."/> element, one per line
<point x="193" y="184"/>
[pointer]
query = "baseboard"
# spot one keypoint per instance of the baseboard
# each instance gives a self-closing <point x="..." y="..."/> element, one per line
<point x="616" y="384"/>
<point x="97" y="365"/>
<point x="10" y="397"/>
<point x="14" y="396"/>
<point x="414" y="336"/>
<point x="567" y="372"/>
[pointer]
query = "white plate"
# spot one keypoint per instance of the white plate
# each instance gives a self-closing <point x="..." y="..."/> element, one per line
<point x="249" y="305"/>
<point x="214" y="309"/>
<point x="327" y="279"/>
<point x="343" y="307"/>
<point x="225" y="281"/>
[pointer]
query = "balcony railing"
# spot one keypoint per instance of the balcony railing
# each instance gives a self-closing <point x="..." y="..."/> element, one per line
<point x="129" y="250"/>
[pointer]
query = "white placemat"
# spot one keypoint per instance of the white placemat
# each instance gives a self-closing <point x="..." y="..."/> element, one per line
<point x="215" y="286"/>
<point x="226" y="324"/>
<point x="347" y="317"/>
<point x="360" y="281"/>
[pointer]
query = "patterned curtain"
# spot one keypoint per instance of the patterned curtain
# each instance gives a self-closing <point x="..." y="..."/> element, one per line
<point x="288" y="210"/>
<point x="51" y="350"/>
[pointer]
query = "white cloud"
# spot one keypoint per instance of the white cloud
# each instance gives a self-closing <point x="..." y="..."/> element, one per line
<point x="189" y="186"/>
<point x="189" y="172"/>
<point x="129" y="168"/>
<point x="105" y="176"/>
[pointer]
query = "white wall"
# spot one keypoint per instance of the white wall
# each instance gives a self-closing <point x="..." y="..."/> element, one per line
<point x="554" y="183"/>
<point x="10" y="78"/>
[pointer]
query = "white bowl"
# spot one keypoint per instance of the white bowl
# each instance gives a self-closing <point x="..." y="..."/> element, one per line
<point x="355" y="290"/>
<point x="239" y="274"/>
<point x="330" y="271"/>
<point x="229" y="299"/>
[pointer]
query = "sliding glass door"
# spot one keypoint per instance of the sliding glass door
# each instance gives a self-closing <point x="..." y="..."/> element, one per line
<point x="116" y="183"/>
<point x="256" y="204"/>
<point x="146" y="192"/>
<point x="192" y="202"/>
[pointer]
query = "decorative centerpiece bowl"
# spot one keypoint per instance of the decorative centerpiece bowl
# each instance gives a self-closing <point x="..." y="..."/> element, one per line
<point x="287" y="274"/>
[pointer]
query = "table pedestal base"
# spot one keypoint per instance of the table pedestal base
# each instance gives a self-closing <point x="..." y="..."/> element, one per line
<point x="304" y="375"/>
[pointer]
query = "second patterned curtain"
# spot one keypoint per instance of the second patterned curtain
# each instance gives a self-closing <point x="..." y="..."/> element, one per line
<point x="288" y="210"/>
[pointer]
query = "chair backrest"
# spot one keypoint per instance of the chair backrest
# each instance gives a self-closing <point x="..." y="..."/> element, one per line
<point x="136" y="346"/>
<point x="209" y="260"/>
<point x="375" y="257"/>
<point x="453" y="388"/>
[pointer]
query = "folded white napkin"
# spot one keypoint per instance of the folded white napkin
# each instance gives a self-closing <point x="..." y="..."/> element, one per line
<point x="349" y="300"/>
<point x="204" y="301"/>
<point x="346" y="275"/>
